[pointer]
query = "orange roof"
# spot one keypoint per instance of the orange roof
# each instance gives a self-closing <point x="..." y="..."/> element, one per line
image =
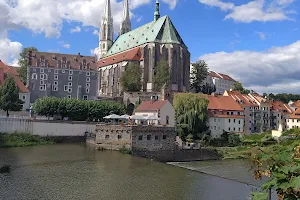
<point x="130" y="55"/>
<point x="280" y="106"/>
<point x="12" y="72"/>
<point x="220" y="75"/>
<point x="296" y="104"/>
<point x="223" y="103"/>
<point x="296" y="114"/>
<point x="242" y="99"/>
<point x="151" y="105"/>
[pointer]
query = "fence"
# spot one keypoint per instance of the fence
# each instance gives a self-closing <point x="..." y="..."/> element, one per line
<point x="46" y="128"/>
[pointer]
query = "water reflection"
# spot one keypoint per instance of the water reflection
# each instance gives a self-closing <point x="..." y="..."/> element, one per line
<point x="79" y="172"/>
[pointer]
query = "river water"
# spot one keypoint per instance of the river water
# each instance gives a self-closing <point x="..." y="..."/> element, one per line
<point x="77" y="171"/>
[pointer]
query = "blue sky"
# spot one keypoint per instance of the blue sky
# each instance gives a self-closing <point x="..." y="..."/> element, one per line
<point x="256" y="42"/>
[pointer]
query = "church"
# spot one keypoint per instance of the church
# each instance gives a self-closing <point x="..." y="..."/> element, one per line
<point x="155" y="41"/>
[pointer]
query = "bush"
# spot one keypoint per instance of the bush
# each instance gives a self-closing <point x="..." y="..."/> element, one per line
<point x="5" y="169"/>
<point x="125" y="150"/>
<point x="77" y="110"/>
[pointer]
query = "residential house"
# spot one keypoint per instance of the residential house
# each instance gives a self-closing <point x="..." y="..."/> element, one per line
<point x="294" y="119"/>
<point x="8" y="71"/>
<point x="162" y="109"/>
<point x="225" y="114"/>
<point x="62" y="76"/>
<point x="280" y="115"/>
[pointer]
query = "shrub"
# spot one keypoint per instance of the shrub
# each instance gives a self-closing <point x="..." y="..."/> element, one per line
<point x="5" y="169"/>
<point x="77" y="110"/>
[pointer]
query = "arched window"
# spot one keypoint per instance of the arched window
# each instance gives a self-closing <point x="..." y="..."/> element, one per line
<point x="88" y="66"/>
<point x="34" y="76"/>
<point x="59" y="64"/>
<point x="167" y="120"/>
<point x="84" y="62"/>
<point x="174" y="67"/>
<point x="69" y="64"/>
<point x="42" y="63"/>
<point x="42" y="59"/>
<point x="184" y="70"/>
<point x="64" y="62"/>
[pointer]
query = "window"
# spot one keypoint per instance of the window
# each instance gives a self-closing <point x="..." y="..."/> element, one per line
<point x="56" y="71"/>
<point x="66" y="88"/>
<point x="234" y="129"/>
<point x="63" y="71"/>
<point x="229" y="120"/>
<point x="88" y="74"/>
<point x="42" y="82"/>
<point x="93" y="73"/>
<point x="87" y="90"/>
<point x="55" y="77"/>
<point x="164" y="137"/>
<point x="88" y="85"/>
<point x="34" y="70"/>
<point x="119" y="137"/>
<point x="71" y="72"/>
<point x="70" y="78"/>
<point x="156" y="137"/>
<point x="229" y="129"/>
<point x="42" y="88"/>
<point x="54" y="88"/>
<point x="85" y="97"/>
<point x="34" y="76"/>
<point x="49" y="70"/>
<point x="239" y="121"/>
<point x="215" y="128"/>
<point x="106" y="136"/>
<point x="215" y="120"/>
<point x="88" y="79"/>
<point x="70" y="90"/>
<point x="140" y="137"/>
<point x="70" y="84"/>
<point x="167" y="119"/>
<point x="239" y="129"/>
<point x="148" y="137"/>
<point x="80" y="72"/>
<point x="233" y="120"/>
<point x="42" y="76"/>
<point x="69" y="96"/>
<point x="23" y="97"/>
<point x="42" y="70"/>
<point x="55" y="82"/>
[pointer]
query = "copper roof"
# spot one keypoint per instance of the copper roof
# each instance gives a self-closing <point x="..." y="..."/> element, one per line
<point x="11" y="72"/>
<point x="130" y="55"/>
<point x="151" y="105"/>
<point x="56" y="60"/>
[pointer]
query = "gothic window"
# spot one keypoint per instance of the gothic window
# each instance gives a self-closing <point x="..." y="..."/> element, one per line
<point x="184" y="70"/>
<point x="69" y="64"/>
<point x="174" y="67"/>
<point x="167" y="119"/>
<point x="59" y="64"/>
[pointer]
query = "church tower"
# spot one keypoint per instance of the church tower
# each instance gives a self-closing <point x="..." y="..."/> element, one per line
<point x="156" y="13"/>
<point x="106" y="34"/>
<point x="125" y="24"/>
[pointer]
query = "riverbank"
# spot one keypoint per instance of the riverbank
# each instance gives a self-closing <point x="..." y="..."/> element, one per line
<point x="24" y="140"/>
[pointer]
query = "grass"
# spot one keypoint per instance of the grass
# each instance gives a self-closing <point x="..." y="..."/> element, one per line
<point x="24" y="140"/>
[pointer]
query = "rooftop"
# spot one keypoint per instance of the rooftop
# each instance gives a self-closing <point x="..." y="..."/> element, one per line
<point x="220" y="75"/>
<point x="159" y="31"/>
<point x="223" y="103"/>
<point x="242" y="99"/>
<point x="151" y="105"/>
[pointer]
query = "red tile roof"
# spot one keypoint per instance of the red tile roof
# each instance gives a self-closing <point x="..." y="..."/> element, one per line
<point x="12" y="72"/>
<point x="220" y="75"/>
<point x="296" y="104"/>
<point x="130" y="55"/>
<point x="296" y="114"/>
<point x="55" y="60"/>
<point x="151" y="105"/>
<point x="243" y="99"/>
<point x="280" y="106"/>
<point x="223" y="103"/>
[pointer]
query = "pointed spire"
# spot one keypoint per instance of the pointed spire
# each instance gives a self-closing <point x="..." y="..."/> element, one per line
<point x="107" y="11"/>
<point x="156" y="13"/>
<point x="126" y="23"/>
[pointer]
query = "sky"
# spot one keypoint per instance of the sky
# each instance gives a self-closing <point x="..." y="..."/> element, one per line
<point x="256" y="42"/>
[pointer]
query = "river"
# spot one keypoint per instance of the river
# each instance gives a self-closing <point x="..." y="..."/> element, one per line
<point x="77" y="171"/>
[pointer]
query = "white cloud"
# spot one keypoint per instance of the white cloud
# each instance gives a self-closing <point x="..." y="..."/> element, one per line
<point x="256" y="10"/>
<point x="172" y="3"/>
<point x="217" y="3"/>
<point x="96" y="32"/>
<point x="261" y="35"/>
<point x="77" y="29"/>
<point x="10" y="51"/>
<point x="274" y="70"/>
<point x="64" y="45"/>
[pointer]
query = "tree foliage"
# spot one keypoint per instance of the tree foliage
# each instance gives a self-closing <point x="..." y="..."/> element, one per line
<point x="237" y="86"/>
<point x="198" y="75"/>
<point x="162" y="75"/>
<point x="131" y="78"/>
<point x="77" y="110"/>
<point x="282" y="165"/>
<point x="23" y="62"/>
<point x="9" y="96"/>
<point x="191" y="114"/>
<point x="284" y="97"/>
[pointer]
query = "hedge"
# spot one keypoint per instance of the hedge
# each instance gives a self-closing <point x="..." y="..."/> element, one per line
<point x="77" y="110"/>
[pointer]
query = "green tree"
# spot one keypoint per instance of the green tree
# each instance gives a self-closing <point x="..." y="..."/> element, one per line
<point x="237" y="86"/>
<point x="162" y="75"/>
<point x="198" y="75"/>
<point x="9" y="96"/>
<point x="191" y="114"/>
<point x="23" y="62"/>
<point x="131" y="78"/>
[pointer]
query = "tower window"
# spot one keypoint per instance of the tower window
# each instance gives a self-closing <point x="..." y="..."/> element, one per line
<point x="103" y="46"/>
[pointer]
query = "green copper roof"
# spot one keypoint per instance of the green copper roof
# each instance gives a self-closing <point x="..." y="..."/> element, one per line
<point x="161" y="31"/>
